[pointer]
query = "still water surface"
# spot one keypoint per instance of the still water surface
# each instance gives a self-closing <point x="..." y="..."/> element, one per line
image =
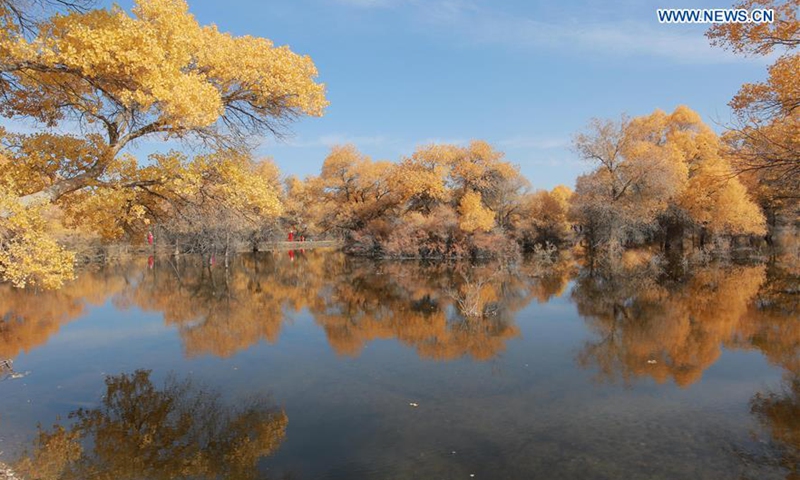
<point x="315" y="366"/>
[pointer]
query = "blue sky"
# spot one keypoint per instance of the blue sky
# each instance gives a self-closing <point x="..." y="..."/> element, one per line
<point x="523" y="75"/>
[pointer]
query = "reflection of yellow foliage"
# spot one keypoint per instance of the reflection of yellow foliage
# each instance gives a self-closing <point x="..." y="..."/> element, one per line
<point x="54" y="453"/>
<point x="665" y="332"/>
<point x="780" y="413"/>
<point x="444" y="312"/>
<point x="29" y="317"/>
<point x="142" y="431"/>
<point x="412" y="305"/>
<point x="222" y="311"/>
<point x="770" y="324"/>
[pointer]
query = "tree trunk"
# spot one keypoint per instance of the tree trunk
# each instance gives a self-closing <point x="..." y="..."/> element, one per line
<point x="703" y="237"/>
<point x="673" y="243"/>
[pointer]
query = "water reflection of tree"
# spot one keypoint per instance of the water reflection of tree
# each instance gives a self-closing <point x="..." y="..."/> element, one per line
<point x="772" y="327"/>
<point x="646" y="327"/>
<point x="29" y="317"/>
<point x="779" y="414"/>
<point x="222" y="311"/>
<point x="142" y="431"/>
<point x="664" y="331"/>
<point x="443" y="311"/>
<point x="770" y="324"/>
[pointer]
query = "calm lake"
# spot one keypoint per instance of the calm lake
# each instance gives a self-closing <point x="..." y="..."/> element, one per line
<point x="312" y="365"/>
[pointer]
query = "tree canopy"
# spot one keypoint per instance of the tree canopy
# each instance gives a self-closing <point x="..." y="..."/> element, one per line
<point x="115" y="77"/>
<point x="764" y="137"/>
<point x="655" y="171"/>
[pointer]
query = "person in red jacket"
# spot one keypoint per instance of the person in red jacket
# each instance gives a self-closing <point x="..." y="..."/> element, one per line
<point x="149" y="238"/>
<point x="291" y="235"/>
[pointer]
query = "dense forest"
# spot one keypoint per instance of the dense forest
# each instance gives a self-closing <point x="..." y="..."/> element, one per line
<point x="100" y="80"/>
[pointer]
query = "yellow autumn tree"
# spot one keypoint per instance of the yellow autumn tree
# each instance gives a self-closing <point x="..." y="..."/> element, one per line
<point x="353" y="188"/>
<point x="479" y="167"/>
<point x="545" y="217"/>
<point x="760" y="38"/>
<point x="455" y="201"/>
<point x="420" y="180"/>
<point x="656" y="176"/>
<point x="22" y="15"/>
<point x="28" y="255"/>
<point x="764" y="138"/>
<point x="152" y="73"/>
<point x="474" y="215"/>
<point x="711" y="199"/>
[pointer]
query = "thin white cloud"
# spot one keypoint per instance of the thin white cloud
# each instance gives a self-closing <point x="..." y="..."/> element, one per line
<point x="367" y="141"/>
<point x="535" y="142"/>
<point x="442" y="141"/>
<point x="623" y="37"/>
<point x="553" y="162"/>
<point x="370" y="3"/>
<point x="331" y="139"/>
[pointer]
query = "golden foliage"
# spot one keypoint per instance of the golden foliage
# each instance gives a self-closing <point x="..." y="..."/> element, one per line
<point x="157" y="61"/>
<point x="412" y="304"/>
<point x="544" y="217"/>
<point x="353" y="189"/>
<point x="154" y="72"/>
<point x="28" y="255"/>
<point x="765" y="140"/>
<point x="655" y="170"/>
<point x="444" y="312"/>
<point x="760" y="38"/>
<point x="474" y="215"/>
<point x="434" y="203"/>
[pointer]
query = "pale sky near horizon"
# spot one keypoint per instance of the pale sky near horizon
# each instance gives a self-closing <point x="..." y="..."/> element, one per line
<point x="523" y="75"/>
